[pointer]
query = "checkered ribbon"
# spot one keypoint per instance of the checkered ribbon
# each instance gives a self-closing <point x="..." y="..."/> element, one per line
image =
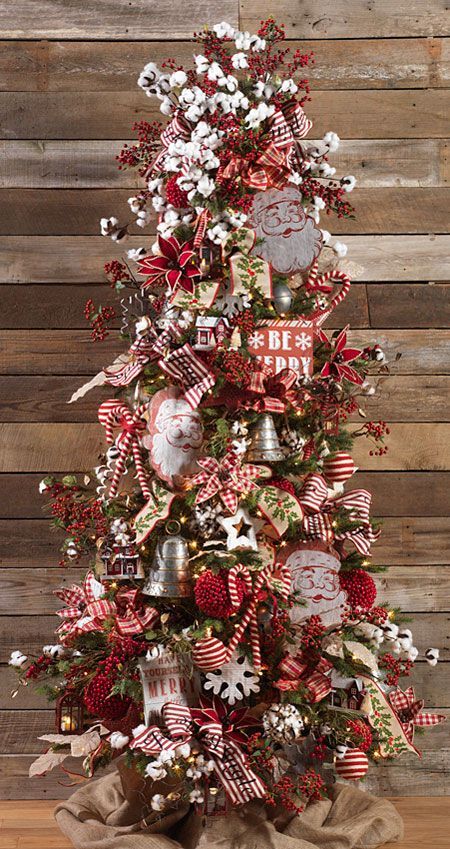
<point x="318" y="521"/>
<point x="87" y="610"/>
<point x="226" y="478"/>
<point x="185" y="367"/>
<point x="276" y="390"/>
<point x="114" y="414"/>
<point x="410" y="712"/>
<point x="270" y="170"/>
<point x="222" y="734"/>
<point x="143" y="350"/>
<point x="308" y="670"/>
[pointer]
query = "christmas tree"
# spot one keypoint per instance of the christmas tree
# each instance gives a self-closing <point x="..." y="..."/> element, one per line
<point x="224" y="641"/>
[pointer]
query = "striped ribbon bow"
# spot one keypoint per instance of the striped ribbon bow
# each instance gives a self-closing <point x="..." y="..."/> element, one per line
<point x="185" y="367"/>
<point x="288" y="124"/>
<point x="318" y="523"/>
<point x="410" y="712"/>
<point x="87" y="609"/>
<point x="177" y="128"/>
<point x="222" y="734"/>
<point x="144" y="349"/>
<point x="226" y="478"/>
<point x="114" y="414"/>
<point x="307" y="669"/>
<point x="276" y="390"/>
<point x="270" y="170"/>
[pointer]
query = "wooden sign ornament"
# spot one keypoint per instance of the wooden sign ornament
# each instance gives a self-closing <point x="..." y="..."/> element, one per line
<point x="314" y="572"/>
<point x="291" y="239"/>
<point x="175" y="435"/>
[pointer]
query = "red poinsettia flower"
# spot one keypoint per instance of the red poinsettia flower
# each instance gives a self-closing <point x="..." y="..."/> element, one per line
<point x="175" y="263"/>
<point x="337" y="366"/>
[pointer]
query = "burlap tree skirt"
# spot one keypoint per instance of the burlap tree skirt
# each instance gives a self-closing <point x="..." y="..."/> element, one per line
<point x="99" y="816"/>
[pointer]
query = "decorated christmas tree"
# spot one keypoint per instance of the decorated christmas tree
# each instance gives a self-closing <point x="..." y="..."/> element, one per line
<point x="225" y="641"/>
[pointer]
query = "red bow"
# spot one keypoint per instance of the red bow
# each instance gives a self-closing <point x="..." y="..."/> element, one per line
<point x="113" y="414"/>
<point x="222" y="734"/>
<point x="307" y="670"/>
<point x="271" y="169"/>
<point x="410" y="712"/>
<point x="87" y="610"/>
<point x="276" y="390"/>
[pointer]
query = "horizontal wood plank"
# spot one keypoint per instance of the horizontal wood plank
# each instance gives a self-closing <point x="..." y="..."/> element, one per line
<point x="80" y="259"/>
<point x="15" y="784"/>
<point x="336" y="19"/>
<point x="376" y="163"/>
<point x="44" y="398"/>
<point x="67" y="352"/>
<point x="31" y="447"/>
<point x="89" y="115"/>
<point x="394" y="493"/>
<point x="46" y="212"/>
<point x="142" y="19"/>
<point x="405" y="541"/>
<point x="114" y="66"/>
<point x="20" y="730"/>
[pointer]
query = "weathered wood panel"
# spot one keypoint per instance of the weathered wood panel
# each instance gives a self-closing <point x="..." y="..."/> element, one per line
<point x="114" y="19"/>
<point x="27" y="212"/>
<point x="356" y="114"/>
<point x="114" y="66"/>
<point x="40" y="399"/>
<point x="80" y="259"/>
<point x="31" y="447"/>
<point x="66" y="352"/>
<point x="91" y="164"/>
<point x="338" y="19"/>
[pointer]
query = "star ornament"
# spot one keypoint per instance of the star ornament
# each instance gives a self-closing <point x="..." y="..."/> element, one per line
<point x="175" y="265"/>
<point x="240" y="530"/>
<point x="338" y="365"/>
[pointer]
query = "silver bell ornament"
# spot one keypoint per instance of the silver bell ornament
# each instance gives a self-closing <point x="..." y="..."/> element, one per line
<point x="264" y="442"/>
<point x="170" y="575"/>
<point x="282" y="298"/>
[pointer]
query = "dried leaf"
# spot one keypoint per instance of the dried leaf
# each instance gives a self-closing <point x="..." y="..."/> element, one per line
<point x="363" y="654"/>
<point x="85" y="743"/>
<point x="46" y="762"/>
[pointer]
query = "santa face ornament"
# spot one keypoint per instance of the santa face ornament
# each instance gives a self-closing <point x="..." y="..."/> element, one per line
<point x="291" y="239"/>
<point x="315" y="576"/>
<point x="175" y="436"/>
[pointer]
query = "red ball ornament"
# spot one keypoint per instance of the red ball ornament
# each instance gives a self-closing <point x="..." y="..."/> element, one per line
<point x="212" y="596"/>
<point x="209" y="653"/>
<point x="339" y="468"/>
<point x="360" y="588"/>
<point x="99" y="702"/>
<point x="176" y="196"/>
<point x="353" y="765"/>
<point x="284" y="484"/>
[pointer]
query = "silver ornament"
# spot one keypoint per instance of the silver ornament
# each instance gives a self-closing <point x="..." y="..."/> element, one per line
<point x="170" y="575"/>
<point x="282" y="298"/>
<point x="264" y="443"/>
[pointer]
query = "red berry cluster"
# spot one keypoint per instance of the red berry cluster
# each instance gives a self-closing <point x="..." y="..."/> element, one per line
<point x="311" y="785"/>
<point x="99" y="701"/>
<point x="116" y="272"/>
<point x="320" y="750"/>
<point x="284" y="484"/>
<point x="82" y="518"/>
<point x="141" y="154"/>
<point x="377" y="616"/>
<point x="234" y="365"/>
<point x="360" y="734"/>
<point x="176" y="196"/>
<point x="312" y="632"/>
<point x="211" y="594"/>
<point x="360" y="588"/>
<point x="245" y="320"/>
<point x="376" y="431"/>
<point x="98" y="319"/>
<point x="39" y="667"/>
<point x="280" y="624"/>
<point x="394" y="667"/>
<point x="332" y="196"/>
<point x="283" y="791"/>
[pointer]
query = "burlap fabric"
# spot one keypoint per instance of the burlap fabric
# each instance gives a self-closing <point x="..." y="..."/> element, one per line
<point x="99" y="816"/>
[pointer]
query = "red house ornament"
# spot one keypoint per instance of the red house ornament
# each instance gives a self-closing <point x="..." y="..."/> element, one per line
<point x="284" y="344"/>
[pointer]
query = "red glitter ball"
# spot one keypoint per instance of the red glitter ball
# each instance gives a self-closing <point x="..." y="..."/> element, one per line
<point x="360" y="588"/>
<point x="99" y="702"/>
<point x="212" y="597"/>
<point x="176" y="196"/>
<point x="284" y="484"/>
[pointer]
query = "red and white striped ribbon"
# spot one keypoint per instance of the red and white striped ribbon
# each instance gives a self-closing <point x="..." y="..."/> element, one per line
<point x="115" y="414"/>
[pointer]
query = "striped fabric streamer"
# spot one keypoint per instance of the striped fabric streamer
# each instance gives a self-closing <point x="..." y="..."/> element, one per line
<point x="241" y="571"/>
<point x="186" y="368"/>
<point x="115" y="414"/>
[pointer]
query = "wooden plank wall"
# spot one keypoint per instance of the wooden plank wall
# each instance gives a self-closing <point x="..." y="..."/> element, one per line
<point x="67" y="101"/>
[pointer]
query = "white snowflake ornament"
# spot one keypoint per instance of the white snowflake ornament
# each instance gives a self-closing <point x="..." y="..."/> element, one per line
<point x="233" y="681"/>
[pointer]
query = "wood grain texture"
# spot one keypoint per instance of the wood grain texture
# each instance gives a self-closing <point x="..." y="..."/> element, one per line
<point x="28" y="212"/>
<point x="80" y="259"/>
<point x="114" y="66"/>
<point x="336" y="19"/>
<point x="68" y="164"/>
<point x="142" y="19"/>
<point x="405" y="113"/>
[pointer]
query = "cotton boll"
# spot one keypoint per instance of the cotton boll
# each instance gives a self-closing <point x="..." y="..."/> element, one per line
<point x="166" y="106"/>
<point x="157" y="802"/>
<point x="17" y="659"/>
<point x="201" y="63"/>
<point x="288" y="87"/>
<point x="53" y="650"/>
<point x="413" y="653"/>
<point x="196" y="796"/>
<point x="341" y="750"/>
<point x="183" y="751"/>
<point x="215" y="72"/>
<point x="390" y="631"/>
<point x="432" y="656"/>
<point x="177" y="79"/>
<point x="117" y="740"/>
<point x="326" y="236"/>
<point x="43" y="486"/>
<point x="340" y="249"/>
<point x="348" y="183"/>
<point x="224" y="30"/>
<point x="332" y="141"/>
<point x="242" y="40"/>
<point x="239" y="61"/>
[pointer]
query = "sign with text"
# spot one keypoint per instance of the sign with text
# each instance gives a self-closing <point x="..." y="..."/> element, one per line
<point x="284" y="344"/>
<point x="165" y="678"/>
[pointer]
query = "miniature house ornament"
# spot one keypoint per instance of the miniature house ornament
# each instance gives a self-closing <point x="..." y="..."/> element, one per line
<point x="291" y="240"/>
<point x="210" y="331"/>
<point x="315" y="576"/>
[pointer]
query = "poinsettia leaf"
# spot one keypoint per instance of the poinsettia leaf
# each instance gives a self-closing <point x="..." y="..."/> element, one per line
<point x="46" y="762"/>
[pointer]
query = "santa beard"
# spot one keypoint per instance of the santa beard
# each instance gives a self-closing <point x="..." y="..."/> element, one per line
<point x="291" y="253"/>
<point x="172" y="460"/>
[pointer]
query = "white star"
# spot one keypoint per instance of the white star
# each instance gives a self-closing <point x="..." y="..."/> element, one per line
<point x="240" y="530"/>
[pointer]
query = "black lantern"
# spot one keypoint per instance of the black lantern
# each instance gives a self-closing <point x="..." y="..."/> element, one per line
<point x="69" y="714"/>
